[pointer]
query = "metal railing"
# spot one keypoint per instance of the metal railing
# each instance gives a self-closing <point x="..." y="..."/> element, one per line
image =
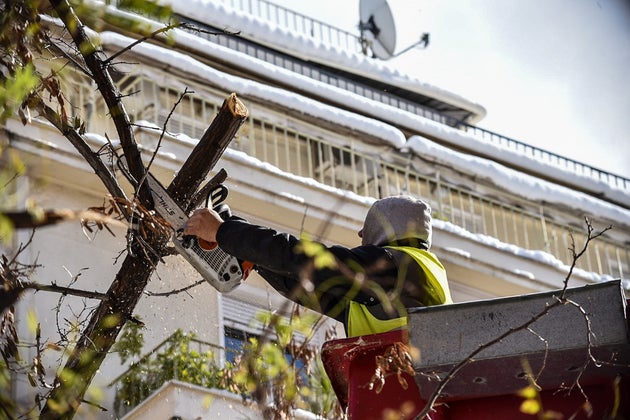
<point x="550" y="158"/>
<point x="328" y="34"/>
<point x="510" y="219"/>
<point x="297" y="23"/>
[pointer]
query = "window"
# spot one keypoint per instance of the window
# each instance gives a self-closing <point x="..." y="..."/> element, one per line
<point x="235" y="340"/>
<point x="240" y="323"/>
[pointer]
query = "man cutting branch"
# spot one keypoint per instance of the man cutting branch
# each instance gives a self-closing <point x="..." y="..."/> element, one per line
<point x="367" y="288"/>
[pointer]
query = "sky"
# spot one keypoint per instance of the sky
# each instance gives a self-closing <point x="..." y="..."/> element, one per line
<point x="550" y="73"/>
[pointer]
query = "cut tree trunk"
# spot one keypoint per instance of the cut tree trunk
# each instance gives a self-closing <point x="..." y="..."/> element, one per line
<point x="208" y="151"/>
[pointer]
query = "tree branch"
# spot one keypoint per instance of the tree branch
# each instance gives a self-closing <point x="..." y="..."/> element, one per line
<point x="64" y="290"/>
<point x="39" y="218"/>
<point x="176" y="291"/>
<point x="92" y="158"/>
<point x="208" y="150"/>
<point x="144" y="39"/>
<point x="122" y="297"/>
<point x="108" y="90"/>
<point x="201" y="195"/>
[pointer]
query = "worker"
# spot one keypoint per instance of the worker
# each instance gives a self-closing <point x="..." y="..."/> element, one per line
<point x="367" y="288"/>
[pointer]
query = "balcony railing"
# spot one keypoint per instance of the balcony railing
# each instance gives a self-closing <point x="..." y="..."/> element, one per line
<point x="297" y="23"/>
<point x="328" y="34"/>
<point x="509" y="219"/>
<point x="549" y="158"/>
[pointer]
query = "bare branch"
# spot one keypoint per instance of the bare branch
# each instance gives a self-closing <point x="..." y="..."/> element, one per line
<point x="95" y="64"/>
<point x="64" y="290"/>
<point x="577" y="255"/>
<point x="176" y="291"/>
<point x="93" y="159"/>
<point x="40" y="217"/>
<point x="200" y="195"/>
<point x="208" y="150"/>
<point x="159" y="142"/>
<point x="152" y="35"/>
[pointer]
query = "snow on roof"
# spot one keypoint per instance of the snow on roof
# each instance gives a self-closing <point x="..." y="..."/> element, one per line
<point x="266" y="32"/>
<point x="529" y="187"/>
<point x="378" y="110"/>
<point x="268" y="94"/>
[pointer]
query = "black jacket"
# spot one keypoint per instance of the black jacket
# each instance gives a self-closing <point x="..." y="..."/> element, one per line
<point x="367" y="274"/>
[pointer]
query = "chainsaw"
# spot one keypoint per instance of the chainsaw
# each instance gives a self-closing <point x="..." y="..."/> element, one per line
<point x="223" y="271"/>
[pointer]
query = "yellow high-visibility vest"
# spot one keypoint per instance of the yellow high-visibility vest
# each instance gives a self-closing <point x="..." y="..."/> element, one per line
<point x="435" y="291"/>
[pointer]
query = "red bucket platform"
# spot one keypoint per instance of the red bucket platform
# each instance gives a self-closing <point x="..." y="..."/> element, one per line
<point x="556" y="348"/>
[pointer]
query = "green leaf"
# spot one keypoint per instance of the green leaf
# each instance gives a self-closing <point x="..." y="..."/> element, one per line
<point x="528" y="392"/>
<point x="31" y="319"/>
<point x="530" y="406"/>
<point x="322" y="258"/>
<point x="284" y="334"/>
<point x="13" y="90"/>
<point x="6" y="229"/>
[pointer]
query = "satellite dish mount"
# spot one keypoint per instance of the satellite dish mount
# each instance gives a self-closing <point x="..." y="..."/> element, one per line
<point x="378" y="30"/>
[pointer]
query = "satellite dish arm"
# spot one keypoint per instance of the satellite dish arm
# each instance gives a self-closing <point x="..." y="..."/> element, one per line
<point x="424" y="41"/>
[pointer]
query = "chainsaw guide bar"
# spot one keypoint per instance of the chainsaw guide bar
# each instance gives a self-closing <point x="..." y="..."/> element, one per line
<point x="218" y="268"/>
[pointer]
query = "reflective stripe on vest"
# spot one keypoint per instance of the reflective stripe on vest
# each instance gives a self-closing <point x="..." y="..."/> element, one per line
<point x="362" y="322"/>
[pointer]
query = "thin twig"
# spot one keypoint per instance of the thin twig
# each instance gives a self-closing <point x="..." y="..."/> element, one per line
<point x="64" y="290"/>
<point x="159" y="142"/>
<point x="174" y="292"/>
<point x="141" y="40"/>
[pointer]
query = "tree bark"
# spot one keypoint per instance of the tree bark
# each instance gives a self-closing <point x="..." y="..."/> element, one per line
<point x="98" y="338"/>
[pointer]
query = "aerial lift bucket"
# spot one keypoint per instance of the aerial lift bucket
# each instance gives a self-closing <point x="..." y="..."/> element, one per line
<point x="575" y="358"/>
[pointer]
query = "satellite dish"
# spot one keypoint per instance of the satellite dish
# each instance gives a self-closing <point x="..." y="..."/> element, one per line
<point x="378" y="21"/>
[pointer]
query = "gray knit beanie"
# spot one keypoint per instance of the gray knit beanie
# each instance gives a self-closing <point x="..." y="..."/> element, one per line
<point x="398" y="217"/>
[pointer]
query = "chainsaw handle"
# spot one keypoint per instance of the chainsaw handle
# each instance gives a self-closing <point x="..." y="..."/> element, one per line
<point x="225" y="213"/>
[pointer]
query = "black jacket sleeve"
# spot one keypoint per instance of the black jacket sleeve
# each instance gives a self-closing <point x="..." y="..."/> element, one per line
<point x="279" y="258"/>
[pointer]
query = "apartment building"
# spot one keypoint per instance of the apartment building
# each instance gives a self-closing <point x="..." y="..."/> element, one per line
<point x="329" y="130"/>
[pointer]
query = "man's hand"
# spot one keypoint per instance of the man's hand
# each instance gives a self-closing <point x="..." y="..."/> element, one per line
<point x="204" y="223"/>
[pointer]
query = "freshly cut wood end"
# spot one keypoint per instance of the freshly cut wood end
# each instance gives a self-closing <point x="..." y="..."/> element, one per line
<point x="237" y="107"/>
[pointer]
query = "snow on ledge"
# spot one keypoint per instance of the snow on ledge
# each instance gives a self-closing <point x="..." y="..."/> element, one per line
<point x="263" y="31"/>
<point x="387" y="133"/>
<point x="524" y="185"/>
